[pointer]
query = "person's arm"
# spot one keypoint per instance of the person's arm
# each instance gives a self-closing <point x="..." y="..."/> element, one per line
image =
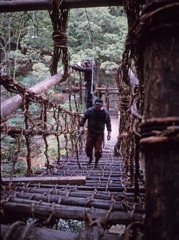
<point x="82" y="122"/>
<point x="80" y="69"/>
<point x="108" y="125"/>
<point x="108" y="122"/>
<point x="84" y="118"/>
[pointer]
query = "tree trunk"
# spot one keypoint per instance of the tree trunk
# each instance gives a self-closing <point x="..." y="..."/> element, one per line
<point x="161" y="88"/>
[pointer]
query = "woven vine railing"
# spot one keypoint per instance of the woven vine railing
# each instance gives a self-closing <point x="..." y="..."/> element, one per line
<point x="131" y="99"/>
<point x="38" y="116"/>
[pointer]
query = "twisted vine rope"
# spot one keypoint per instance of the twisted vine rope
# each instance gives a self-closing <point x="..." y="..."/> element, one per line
<point x="59" y="19"/>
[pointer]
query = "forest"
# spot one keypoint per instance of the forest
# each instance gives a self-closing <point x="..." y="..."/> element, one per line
<point x="26" y="41"/>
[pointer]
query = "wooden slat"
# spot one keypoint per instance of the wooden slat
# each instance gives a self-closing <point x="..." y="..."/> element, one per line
<point x="118" y="196"/>
<point x="68" y="212"/>
<point x="111" y="188"/>
<point x="77" y="201"/>
<point x="75" y="180"/>
<point x="46" y="234"/>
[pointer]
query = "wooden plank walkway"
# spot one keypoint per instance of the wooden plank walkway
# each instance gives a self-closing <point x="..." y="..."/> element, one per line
<point x="106" y="194"/>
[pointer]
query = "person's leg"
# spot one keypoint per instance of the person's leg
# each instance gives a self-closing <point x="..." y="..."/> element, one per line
<point x="88" y="97"/>
<point x="98" y="148"/>
<point x="89" y="146"/>
<point x="90" y="102"/>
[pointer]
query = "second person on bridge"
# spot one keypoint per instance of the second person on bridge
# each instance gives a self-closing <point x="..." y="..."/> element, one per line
<point x="97" y="118"/>
<point x="89" y="80"/>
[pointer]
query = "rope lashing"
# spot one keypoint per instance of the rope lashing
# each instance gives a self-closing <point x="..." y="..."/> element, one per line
<point x="60" y="39"/>
<point x="159" y="130"/>
<point x="52" y="210"/>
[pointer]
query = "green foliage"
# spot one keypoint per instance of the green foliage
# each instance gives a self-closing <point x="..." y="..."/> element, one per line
<point x="40" y="71"/>
<point x="8" y="147"/>
<point x="28" y="81"/>
<point x="97" y="33"/>
<point x="17" y="122"/>
<point x="39" y="33"/>
<point x="117" y="11"/>
<point x="19" y="171"/>
<point x="109" y="67"/>
<point x="71" y="225"/>
<point x="8" y="151"/>
<point x="18" y="54"/>
<point x="52" y="149"/>
<point x="26" y="39"/>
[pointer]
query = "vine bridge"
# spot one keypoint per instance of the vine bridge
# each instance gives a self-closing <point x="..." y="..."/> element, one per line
<point x="112" y="194"/>
<point x="101" y="197"/>
<point x="67" y="188"/>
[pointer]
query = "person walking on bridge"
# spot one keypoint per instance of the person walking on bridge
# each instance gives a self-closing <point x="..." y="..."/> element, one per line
<point x="89" y="79"/>
<point x="97" y="117"/>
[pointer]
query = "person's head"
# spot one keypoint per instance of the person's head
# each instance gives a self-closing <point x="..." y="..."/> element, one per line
<point x="87" y="62"/>
<point x="98" y="104"/>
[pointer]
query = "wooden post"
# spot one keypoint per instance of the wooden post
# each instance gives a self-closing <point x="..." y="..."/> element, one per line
<point x="161" y="88"/>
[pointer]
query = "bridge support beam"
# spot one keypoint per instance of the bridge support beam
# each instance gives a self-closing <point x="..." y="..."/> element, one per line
<point x="161" y="147"/>
<point x="31" y="5"/>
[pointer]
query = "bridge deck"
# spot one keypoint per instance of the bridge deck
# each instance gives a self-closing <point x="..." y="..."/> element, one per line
<point x="107" y="193"/>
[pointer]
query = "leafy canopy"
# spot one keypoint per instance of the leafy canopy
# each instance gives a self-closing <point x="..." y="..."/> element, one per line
<point x="95" y="33"/>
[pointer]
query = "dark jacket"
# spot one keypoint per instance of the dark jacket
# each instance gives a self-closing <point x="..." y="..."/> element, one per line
<point x="87" y="73"/>
<point x="96" y="120"/>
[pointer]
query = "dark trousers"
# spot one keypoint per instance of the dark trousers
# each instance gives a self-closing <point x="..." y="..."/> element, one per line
<point x="88" y="97"/>
<point x="94" y="140"/>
